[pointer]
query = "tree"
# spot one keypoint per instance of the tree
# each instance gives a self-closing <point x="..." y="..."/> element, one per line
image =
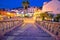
<point x="57" y="18"/>
<point x="25" y="4"/>
<point x="43" y="15"/>
<point x="51" y="15"/>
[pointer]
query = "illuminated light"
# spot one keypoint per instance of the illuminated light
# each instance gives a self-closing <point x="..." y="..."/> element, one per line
<point x="52" y="19"/>
<point x="8" y="13"/>
<point x="22" y="12"/>
<point x="22" y="15"/>
<point x="30" y="20"/>
<point x="39" y="19"/>
<point x="30" y="14"/>
<point x="26" y="14"/>
<point x="17" y="13"/>
<point x="37" y="13"/>
<point x="8" y="17"/>
<point x="45" y="18"/>
<point x="1" y="17"/>
<point x="12" y="15"/>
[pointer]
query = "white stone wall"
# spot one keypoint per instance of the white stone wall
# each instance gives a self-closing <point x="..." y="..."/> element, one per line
<point x="53" y="6"/>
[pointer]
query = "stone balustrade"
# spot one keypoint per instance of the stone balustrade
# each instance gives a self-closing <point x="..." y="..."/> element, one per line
<point x="52" y="27"/>
<point x="8" y="25"/>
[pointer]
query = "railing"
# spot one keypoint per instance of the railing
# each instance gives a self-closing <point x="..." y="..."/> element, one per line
<point x="8" y="25"/>
<point x="52" y="27"/>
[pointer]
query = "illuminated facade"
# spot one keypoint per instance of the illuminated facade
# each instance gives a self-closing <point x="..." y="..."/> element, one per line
<point x="52" y="6"/>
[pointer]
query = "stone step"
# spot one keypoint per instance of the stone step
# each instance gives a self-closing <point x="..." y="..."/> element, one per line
<point x="28" y="38"/>
<point x="28" y="32"/>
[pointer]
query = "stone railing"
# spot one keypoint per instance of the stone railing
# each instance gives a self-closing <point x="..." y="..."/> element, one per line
<point x="8" y="25"/>
<point x="52" y="27"/>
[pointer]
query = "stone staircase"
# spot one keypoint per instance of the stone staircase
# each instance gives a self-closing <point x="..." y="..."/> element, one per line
<point x="27" y="32"/>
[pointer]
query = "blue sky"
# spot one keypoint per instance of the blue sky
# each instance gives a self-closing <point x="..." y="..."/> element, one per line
<point x="18" y="3"/>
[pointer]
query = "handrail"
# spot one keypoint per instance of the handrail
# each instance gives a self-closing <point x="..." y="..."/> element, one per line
<point x="8" y="25"/>
<point x="52" y="27"/>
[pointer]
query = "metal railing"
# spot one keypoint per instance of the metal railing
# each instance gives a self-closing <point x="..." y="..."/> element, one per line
<point x="8" y="25"/>
<point x="52" y="27"/>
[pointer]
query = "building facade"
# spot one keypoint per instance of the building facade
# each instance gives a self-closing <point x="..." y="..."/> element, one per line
<point x="52" y="6"/>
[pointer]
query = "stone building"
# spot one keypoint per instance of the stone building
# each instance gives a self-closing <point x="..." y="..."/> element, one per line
<point x="52" y="6"/>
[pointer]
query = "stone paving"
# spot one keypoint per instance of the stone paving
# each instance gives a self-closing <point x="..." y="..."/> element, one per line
<point x="27" y="32"/>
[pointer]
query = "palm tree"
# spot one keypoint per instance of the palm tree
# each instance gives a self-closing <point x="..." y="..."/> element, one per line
<point x="25" y="4"/>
